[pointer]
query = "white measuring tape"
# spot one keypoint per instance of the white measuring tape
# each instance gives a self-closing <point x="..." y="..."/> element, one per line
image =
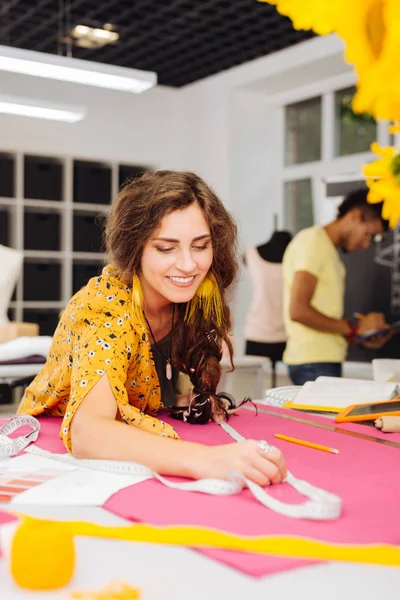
<point x="214" y="487"/>
<point x="12" y="446"/>
<point x="321" y="505"/>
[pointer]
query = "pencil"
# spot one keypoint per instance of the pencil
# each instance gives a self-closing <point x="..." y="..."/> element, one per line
<point x="286" y="438"/>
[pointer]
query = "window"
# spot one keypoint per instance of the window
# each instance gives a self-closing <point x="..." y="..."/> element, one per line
<point x="353" y="133"/>
<point x="303" y="132"/>
<point x="299" y="212"/>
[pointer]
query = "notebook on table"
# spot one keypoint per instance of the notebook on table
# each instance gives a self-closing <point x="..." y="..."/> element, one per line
<point x="279" y="396"/>
<point x="332" y="394"/>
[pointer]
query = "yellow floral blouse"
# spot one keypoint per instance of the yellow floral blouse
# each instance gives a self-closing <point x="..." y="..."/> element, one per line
<point x="98" y="335"/>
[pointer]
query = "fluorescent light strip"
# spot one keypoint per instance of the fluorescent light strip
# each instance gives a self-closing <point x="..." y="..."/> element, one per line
<point x="40" y="110"/>
<point x="73" y="70"/>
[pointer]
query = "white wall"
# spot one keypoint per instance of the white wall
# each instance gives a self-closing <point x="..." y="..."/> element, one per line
<point x="210" y="107"/>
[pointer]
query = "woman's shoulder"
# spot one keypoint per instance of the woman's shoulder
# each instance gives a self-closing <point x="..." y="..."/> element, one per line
<point x="105" y="290"/>
<point x="105" y="296"/>
<point x="105" y="301"/>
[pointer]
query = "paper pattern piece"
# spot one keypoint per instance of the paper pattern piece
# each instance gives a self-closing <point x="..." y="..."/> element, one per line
<point x="32" y="479"/>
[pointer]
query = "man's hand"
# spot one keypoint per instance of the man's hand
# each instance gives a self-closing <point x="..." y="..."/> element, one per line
<point x="377" y="342"/>
<point x="373" y="322"/>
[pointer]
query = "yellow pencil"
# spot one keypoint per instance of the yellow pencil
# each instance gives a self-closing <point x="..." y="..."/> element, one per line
<point x="304" y="443"/>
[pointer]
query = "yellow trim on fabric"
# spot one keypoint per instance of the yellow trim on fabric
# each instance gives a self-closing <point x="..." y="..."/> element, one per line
<point x="200" y="537"/>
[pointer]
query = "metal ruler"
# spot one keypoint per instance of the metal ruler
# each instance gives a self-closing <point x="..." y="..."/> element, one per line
<point x="363" y="436"/>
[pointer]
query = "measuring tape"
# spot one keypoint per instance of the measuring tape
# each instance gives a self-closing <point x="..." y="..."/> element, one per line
<point x="321" y="505"/>
<point x="214" y="487"/>
<point x="12" y="446"/>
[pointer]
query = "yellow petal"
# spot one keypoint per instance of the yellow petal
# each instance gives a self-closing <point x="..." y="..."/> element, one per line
<point x="384" y="151"/>
<point x="379" y="168"/>
<point x="373" y="197"/>
<point x="321" y="16"/>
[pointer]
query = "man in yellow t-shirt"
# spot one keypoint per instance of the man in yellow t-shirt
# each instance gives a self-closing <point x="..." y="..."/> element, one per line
<point x="314" y="280"/>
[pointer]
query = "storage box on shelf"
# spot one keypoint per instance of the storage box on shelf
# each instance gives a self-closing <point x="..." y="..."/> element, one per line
<point x="5" y="238"/>
<point x="43" y="178"/>
<point x="7" y="175"/>
<point x="47" y="320"/>
<point x="127" y="173"/>
<point x="82" y="271"/>
<point x="88" y="232"/>
<point x="92" y="182"/>
<point x="52" y="208"/>
<point x="42" y="280"/>
<point x="42" y="229"/>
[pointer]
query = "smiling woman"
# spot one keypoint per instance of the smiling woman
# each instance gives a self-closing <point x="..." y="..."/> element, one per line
<point x="176" y="260"/>
<point x="156" y="314"/>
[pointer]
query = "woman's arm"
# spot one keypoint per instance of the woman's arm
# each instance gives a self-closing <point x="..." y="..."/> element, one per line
<point x="96" y="434"/>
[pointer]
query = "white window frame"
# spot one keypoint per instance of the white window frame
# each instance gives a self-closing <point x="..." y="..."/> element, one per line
<point x="329" y="165"/>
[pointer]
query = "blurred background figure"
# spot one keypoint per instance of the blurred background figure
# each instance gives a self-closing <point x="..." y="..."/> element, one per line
<point x="314" y="290"/>
<point x="264" y="329"/>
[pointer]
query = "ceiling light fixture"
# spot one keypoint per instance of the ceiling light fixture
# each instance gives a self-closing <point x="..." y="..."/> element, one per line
<point x="28" y="107"/>
<point x="91" y="37"/>
<point x="75" y="70"/>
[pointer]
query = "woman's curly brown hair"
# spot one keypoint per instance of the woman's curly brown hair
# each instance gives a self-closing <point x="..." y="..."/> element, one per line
<point x="135" y="216"/>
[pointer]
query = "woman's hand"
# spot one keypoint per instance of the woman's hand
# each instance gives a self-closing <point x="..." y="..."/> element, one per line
<point x="248" y="458"/>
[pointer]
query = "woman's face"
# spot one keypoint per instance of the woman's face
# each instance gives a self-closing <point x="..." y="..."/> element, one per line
<point x="177" y="258"/>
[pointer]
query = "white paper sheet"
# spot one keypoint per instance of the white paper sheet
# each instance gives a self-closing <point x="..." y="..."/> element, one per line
<point x="342" y="392"/>
<point x="66" y="484"/>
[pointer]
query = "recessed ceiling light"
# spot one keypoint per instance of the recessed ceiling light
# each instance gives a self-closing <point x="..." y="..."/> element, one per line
<point x="75" y="70"/>
<point x="41" y="109"/>
<point x="94" y="37"/>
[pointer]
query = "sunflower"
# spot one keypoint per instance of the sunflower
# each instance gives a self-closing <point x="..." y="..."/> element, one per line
<point x="374" y="52"/>
<point x="321" y="16"/>
<point x="371" y="32"/>
<point x="394" y="128"/>
<point x="383" y="180"/>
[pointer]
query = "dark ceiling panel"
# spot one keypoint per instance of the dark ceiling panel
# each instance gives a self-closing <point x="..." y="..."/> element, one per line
<point x="182" y="40"/>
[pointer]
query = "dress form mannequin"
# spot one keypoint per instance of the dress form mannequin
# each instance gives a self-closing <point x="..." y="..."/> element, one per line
<point x="264" y="332"/>
<point x="11" y="263"/>
<point x="273" y="250"/>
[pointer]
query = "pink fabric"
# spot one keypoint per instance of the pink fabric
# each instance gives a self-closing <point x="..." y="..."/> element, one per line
<point x="6" y="518"/>
<point x="49" y="434"/>
<point x="365" y="474"/>
<point x="365" y="429"/>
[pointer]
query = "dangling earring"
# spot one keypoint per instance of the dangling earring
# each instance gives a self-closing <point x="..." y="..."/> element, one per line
<point x="208" y="300"/>
<point x="138" y="300"/>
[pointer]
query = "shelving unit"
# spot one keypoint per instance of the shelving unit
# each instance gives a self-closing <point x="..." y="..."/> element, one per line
<point x="51" y="208"/>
